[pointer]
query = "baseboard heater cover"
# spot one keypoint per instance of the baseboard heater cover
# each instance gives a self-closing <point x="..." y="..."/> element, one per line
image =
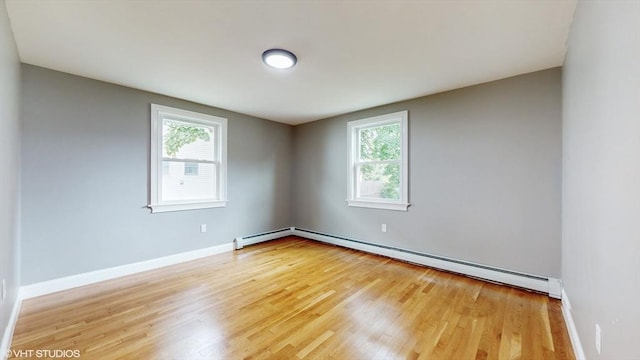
<point x="550" y="286"/>
<point x="241" y="242"/>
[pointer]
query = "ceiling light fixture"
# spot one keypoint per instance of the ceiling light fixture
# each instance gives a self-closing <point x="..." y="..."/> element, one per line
<point x="279" y="58"/>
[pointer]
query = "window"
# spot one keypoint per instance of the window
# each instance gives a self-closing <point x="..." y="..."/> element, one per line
<point x="188" y="160"/>
<point x="378" y="162"/>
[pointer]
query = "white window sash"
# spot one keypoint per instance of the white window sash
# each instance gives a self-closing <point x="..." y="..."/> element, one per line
<point x="185" y="160"/>
<point x="161" y="113"/>
<point x="378" y="162"/>
<point x="355" y="161"/>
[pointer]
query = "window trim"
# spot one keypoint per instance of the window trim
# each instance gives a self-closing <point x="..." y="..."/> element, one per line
<point x="158" y="114"/>
<point x="401" y="117"/>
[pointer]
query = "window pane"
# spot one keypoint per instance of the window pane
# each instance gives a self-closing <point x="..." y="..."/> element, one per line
<point x="183" y="140"/>
<point x="380" y="143"/>
<point x="191" y="169"/>
<point x="379" y="181"/>
<point x="179" y="184"/>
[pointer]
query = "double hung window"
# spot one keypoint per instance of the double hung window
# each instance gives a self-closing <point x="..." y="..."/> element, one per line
<point x="378" y="162"/>
<point x="188" y="160"/>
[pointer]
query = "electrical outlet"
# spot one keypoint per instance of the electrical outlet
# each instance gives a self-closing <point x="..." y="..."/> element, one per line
<point x="598" y="339"/>
<point x="4" y="289"/>
<point x="203" y="228"/>
<point x="384" y="228"/>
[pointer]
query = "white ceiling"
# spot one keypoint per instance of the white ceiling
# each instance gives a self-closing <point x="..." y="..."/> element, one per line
<point x="351" y="54"/>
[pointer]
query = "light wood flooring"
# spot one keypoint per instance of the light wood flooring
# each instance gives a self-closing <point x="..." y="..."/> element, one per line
<point x="294" y="298"/>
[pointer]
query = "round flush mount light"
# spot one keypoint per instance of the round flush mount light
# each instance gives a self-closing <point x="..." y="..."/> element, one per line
<point x="279" y="58"/>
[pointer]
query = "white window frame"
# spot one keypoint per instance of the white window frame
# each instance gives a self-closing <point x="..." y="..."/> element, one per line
<point x="158" y="114"/>
<point x="353" y="127"/>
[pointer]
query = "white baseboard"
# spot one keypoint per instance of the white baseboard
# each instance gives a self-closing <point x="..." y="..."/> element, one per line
<point x="551" y="286"/>
<point x="241" y="242"/>
<point x="11" y="325"/>
<point x="69" y="282"/>
<point x="505" y="276"/>
<point x="578" y="351"/>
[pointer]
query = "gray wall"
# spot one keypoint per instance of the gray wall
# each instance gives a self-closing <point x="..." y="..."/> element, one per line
<point x="9" y="167"/>
<point x="85" y="178"/>
<point x="601" y="197"/>
<point x="484" y="183"/>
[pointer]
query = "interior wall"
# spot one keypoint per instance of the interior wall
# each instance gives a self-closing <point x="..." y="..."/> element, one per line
<point x="601" y="197"/>
<point x="9" y="167"/>
<point x="85" y="178"/>
<point x="484" y="183"/>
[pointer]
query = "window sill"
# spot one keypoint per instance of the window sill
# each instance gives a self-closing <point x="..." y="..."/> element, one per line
<point x="379" y="205"/>
<point x="159" y="208"/>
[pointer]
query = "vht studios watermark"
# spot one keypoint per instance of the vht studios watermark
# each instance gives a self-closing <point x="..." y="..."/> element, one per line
<point x="43" y="353"/>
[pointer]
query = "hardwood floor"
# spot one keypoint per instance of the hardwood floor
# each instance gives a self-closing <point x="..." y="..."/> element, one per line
<point x="294" y="298"/>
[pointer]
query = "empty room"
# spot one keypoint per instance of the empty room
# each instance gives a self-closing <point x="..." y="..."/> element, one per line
<point x="428" y="179"/>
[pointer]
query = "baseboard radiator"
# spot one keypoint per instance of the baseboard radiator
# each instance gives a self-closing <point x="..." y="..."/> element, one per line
<point x="241" y="242"/>
<point x="547" y="285"/>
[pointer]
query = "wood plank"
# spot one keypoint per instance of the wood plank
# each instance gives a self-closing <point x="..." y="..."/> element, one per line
<point x="295" y="298"/>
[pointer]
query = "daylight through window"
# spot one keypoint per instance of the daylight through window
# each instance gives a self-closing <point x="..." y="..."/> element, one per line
<point x="378" y="162"/>
<point x="188" y="160"/>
